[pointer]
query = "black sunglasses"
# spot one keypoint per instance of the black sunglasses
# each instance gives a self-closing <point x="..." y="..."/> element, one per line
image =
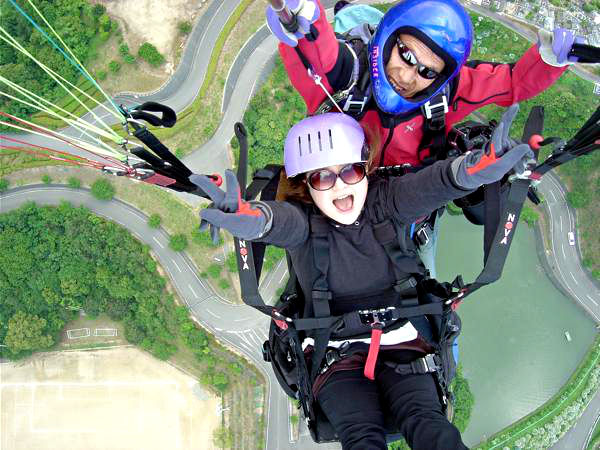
<point x="409" y="58"/>
<point x="324" y="179"/>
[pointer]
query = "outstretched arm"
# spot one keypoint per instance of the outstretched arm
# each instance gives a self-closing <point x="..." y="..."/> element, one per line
<point x="278" y="223"/>
<point x="414" y="195"/>
<point x="482" y="83"/>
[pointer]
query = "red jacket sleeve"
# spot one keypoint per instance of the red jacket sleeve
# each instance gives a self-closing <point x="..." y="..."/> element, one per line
<point x="502" y="84"/>
<point x="322" y="55"/>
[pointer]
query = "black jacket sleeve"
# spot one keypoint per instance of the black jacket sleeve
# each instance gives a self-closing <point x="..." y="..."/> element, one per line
<point x="415" y="195"/>
<point x="290" y="225"/>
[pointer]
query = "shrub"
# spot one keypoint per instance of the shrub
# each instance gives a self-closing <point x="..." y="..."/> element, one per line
<point x="529" y="216"/>
<point x="101" y="74"/>
<point x="74" y="183"/>
<point x="114" y="66"/>
<point x="3" y="184"/>
<point x="46" y="179"/>
<point x="178" y="242"/>
<point x="98" y="10"/>
<point x="224" y="284"/>
<point x="214" y="270"/>
<point x="231" y="262"/>
<point x="129" y="59"/>
<point x="124" y="49"/>
<point x="154" y="221"/>
<point x="184" y="27"/>
<point x="150" y="54"/>
<point x="102" y="189"/>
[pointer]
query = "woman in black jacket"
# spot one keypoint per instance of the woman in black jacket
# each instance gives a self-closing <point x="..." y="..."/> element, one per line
<point x="326" y="157"/>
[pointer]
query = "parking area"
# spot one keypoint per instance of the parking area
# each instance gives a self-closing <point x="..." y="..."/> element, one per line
<point x="118" y="398"/>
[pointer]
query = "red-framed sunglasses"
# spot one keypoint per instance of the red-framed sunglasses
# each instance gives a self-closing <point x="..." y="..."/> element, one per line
<point x="324" y="179"/>
<point x="409" y="58"/>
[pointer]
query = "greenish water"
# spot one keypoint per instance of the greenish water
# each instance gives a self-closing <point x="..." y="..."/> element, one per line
<point x="512" y="347"/>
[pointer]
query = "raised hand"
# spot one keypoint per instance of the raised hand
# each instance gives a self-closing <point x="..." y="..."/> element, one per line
<point x="555" y="46"/>
<point x="245" y="220"/>
<point x="490" y="164"/>
<point x="306" y="12"/>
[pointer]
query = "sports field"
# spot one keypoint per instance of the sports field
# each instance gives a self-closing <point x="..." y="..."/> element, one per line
<point x="105" y="399"/>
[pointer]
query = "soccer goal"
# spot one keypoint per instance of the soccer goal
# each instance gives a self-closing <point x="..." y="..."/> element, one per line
<point x="78" y="333"/>
<point x="105" y="332"/>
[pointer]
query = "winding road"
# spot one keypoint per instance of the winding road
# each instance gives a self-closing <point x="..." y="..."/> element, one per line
<point x="241" y="327"/>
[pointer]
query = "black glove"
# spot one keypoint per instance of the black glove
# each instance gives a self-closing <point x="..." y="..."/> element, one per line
<point x="245" y="220"/>
<point x="485" y="166"/>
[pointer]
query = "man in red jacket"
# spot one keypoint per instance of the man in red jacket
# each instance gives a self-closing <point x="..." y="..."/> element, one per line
<point x="410" y="81"/>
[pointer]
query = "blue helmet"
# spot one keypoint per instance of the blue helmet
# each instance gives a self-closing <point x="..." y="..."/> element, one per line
<point x="443" y="25"/>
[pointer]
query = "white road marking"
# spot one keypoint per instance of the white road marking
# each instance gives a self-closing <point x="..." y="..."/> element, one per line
<point x="157" y="241"/>
<point x="212" y="313"/>
<point x="283" y="276"/>
<point x="561" y="229"/>
<point x="240" y="320"/>
<point x="553" y="196"/>
<point x="243" y="337"/>
<point x="592" y="300"/>
<point x="176" y="265"/>
<point x="573" y="276"/>
<point x="192" y="289"/>
<point x="563" y="251"/>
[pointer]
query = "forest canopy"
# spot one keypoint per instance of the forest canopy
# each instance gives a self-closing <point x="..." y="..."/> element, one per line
<point x="55" y="261"/>
<point x="76" y="21"/>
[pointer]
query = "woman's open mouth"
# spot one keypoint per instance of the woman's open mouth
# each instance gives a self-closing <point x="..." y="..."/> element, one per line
<point x="344" y="203"/>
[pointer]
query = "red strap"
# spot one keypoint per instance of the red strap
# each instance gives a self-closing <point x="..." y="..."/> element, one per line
<point x="373" y="351"/>
<point x="281" y="324"/>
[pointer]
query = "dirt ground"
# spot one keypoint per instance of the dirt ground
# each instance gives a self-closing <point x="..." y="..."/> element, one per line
<point x="153" y="21"/>
<point x="118" y="398"/>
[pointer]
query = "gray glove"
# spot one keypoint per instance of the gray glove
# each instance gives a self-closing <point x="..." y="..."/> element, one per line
<point x="245" y="220"/>
<point x="485" y="166"/>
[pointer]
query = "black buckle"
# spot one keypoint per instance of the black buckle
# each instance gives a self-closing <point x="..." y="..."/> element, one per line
<point x="426" y="364"/>
<point x="422" y="236"/>
<point x="369" y="317"/>
<point x="265" y="351"/>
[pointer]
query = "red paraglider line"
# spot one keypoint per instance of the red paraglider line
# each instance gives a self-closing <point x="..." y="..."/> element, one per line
<point x="54" y="135"/>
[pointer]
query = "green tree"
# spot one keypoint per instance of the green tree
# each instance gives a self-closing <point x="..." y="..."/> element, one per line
<point x="46" y="179"/>
<point x="26" y="333"/>
<point x="114" y="66"/>
<point x="178" y="242"/>
<point x="4" y="184"/>
<point x="74" y="183"/>
<point x="529" y="216"/>
<point x="184" y="27"/>
<point x="150" y="54"/>
<point x="154" y="221"/>
<point x="102" y="189"/>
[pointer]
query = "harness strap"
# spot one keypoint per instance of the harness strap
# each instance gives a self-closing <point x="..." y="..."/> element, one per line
<point x="376" y="331"/>
<point x="427" y="364"/>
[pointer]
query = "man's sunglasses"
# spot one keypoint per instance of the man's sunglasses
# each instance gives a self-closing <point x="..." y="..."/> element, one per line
<point x="324" y="179"/>
<point x="409" y="58"/>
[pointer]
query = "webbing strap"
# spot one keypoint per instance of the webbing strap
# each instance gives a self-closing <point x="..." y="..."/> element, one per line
<point x="492" y="210"/>
<point x="321" y="295"/>
<point x="376" y="332"/>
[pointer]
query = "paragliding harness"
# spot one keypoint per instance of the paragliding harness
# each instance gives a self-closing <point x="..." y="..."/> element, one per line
<point x="301" y="369"/>
<point x="428" y="304"/>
